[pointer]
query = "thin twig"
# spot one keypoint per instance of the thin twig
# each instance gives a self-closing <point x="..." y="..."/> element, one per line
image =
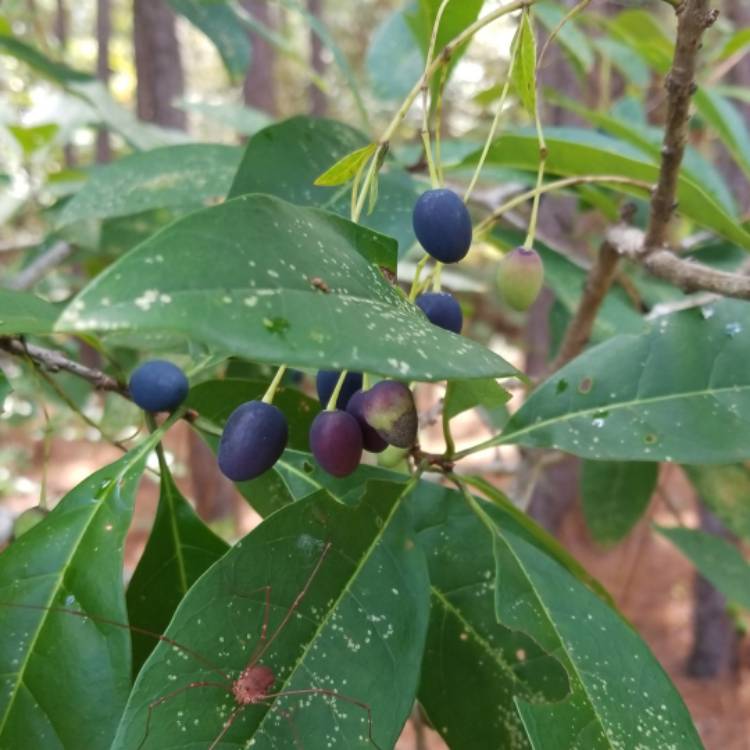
<point x="601" y="275"/>
<point x="54" y="361"/>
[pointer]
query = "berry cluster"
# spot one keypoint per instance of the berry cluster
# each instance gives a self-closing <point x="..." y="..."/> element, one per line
<point x="256" y="433"/>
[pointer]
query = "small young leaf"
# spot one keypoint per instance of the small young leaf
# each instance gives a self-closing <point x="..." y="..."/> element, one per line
<point x="347" y="167"/>
<point x="615" y="495"/>
<point x="462" y="395"/>
<point x="524" y="70"/>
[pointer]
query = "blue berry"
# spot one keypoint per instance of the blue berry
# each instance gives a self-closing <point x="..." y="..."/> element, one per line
<point x="370" y="439"/>
<point x="254" y="438"/>
<point x="442" y="310"/>
<point x="336" y="442"/>
<point x="442" y="224"/>
<point x="326" y="382"/>
<point x="158" y="385"/>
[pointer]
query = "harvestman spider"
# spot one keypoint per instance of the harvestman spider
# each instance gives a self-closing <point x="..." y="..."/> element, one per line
<point x="253" y="686"/>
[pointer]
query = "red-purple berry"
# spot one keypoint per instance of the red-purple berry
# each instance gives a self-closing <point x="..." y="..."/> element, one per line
<point x="336" y="442"/>
<point x="370" y="439"/>
<point x="388" y="407"/>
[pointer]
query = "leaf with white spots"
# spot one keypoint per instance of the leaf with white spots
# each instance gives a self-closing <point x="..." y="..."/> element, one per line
<point x="621" y="697"/>
<point x="358" y="630"/>
<point x="272" y="282"/>
<point x="180" y="176"/>
<point x="678" y="392"/>
<point x="73" y="559"/>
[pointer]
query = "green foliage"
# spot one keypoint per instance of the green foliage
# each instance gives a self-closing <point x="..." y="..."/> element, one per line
<point x="24" y="313"/>
<point x="615" y="495"/>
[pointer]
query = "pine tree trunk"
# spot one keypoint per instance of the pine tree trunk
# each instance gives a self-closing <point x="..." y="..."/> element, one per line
<point x="318" y="100"/>
<point x="258" y="89"/>
<point x="157" y="63"/>
<point x="103" y="34"/>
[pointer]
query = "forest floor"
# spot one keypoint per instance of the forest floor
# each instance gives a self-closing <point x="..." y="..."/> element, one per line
<point x="648" y="579"/>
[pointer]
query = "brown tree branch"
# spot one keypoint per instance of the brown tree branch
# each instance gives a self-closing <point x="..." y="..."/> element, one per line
<point x="693" y="18"/>
<point x="54" y="361"/>
<point x="600" y="278"/>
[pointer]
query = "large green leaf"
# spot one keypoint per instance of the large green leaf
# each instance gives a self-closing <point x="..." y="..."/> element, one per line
<point x="56" y="71"/>
<point x="614" y="495"/>
<point x="179" y="548"/>
<point x="21" y="312"/>
<point x="573" y="151"/>
<point x="285" y="159"/>
<point x="726" y="491"/>
<point x="262" y="299"/>
<point x="678" y="392"/>
<point x="716" y="559"/>
<point x="359" y="630"/>
<point x="473" y="666"/>
<point x="219" y="22"/>
<point x="621" y="697"/>
<point x="172" y="176"/>
<point x="570" y="37"/>
<point x="394" y="62"/>
<point x="65" y="679"/>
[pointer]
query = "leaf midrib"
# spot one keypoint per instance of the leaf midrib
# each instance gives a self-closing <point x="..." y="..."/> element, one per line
<point x="505" y="437"/>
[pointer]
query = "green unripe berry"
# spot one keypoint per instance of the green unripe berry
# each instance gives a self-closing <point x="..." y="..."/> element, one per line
<point x="27" y="520"/>
<point x="520" y="278"/>
<point x="392" y="457"/>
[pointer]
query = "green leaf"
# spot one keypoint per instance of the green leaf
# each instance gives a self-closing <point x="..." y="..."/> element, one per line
<point x="221" y="24"/>
<point x="21" y="312"/>
<point x="366" y="605"/>
<point x="34" y="137"/>
<point x="5" y="389"/>
<point x="574" y="42"/>
<point x="202" y="279"/>
<point x="631" y="66"/>
<point x="73" y="559"/>
<point x="243" y="120"/>
<point x="179" y="549"/>
<point x="347" y="167"/>
<point x="285" y="159"/>
<point x="524" y="70"/>
<point x="716" y="559"/>
<point x="55" y="71"/>
<point x="215" y="400"/>
<point x="614" y="495"/>
<point x="728" y="122"/>
<point x="172" y="176"/>
<point x="462" y="395"/>
<point x="574" y="151"/>
<point x="394" y="63"/>
<point x="677" y="392"/>
<point x="473" y="666"/>
<point x="621" y="697"/>
<point x="725" y="490"/>
<point x="738" y="41"/>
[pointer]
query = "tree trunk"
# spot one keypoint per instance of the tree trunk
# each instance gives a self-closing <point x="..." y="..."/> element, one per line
<point x="258" y="89"/>
<point x="61" y="33"/>
<point x="157" y="63"/>
<point x="318" y="101"/>
<point x="103" y="34"/>
<point x="715" y="638"/>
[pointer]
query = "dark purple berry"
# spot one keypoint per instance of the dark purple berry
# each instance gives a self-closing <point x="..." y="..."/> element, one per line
<point x="370" y="439"/>
<point x="336" y="442"/>
<point x="388" y="407"/>
<point x="442" y="224"/>
<point x="326" y="382"/>
<point x="158" y="385"/>
<point x="254" y="438"/>
<point x="442" y="310"/>
<point x="520" y="278"/>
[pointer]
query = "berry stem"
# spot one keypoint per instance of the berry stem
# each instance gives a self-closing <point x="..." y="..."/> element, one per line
<point x="268" y="396"/>
<point x="531" y="234"/>
<point x="496" y="120"/>
<point x="331" y="405"/>
<point x="450" y="446"/>
<point x="414" y="291"/>
<point x="436" y="274"/>
<point x="425" y="133"/>
<point x="566" y="182"/>
<point x="439" y="123"/>
<point x="444" y="55"/>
